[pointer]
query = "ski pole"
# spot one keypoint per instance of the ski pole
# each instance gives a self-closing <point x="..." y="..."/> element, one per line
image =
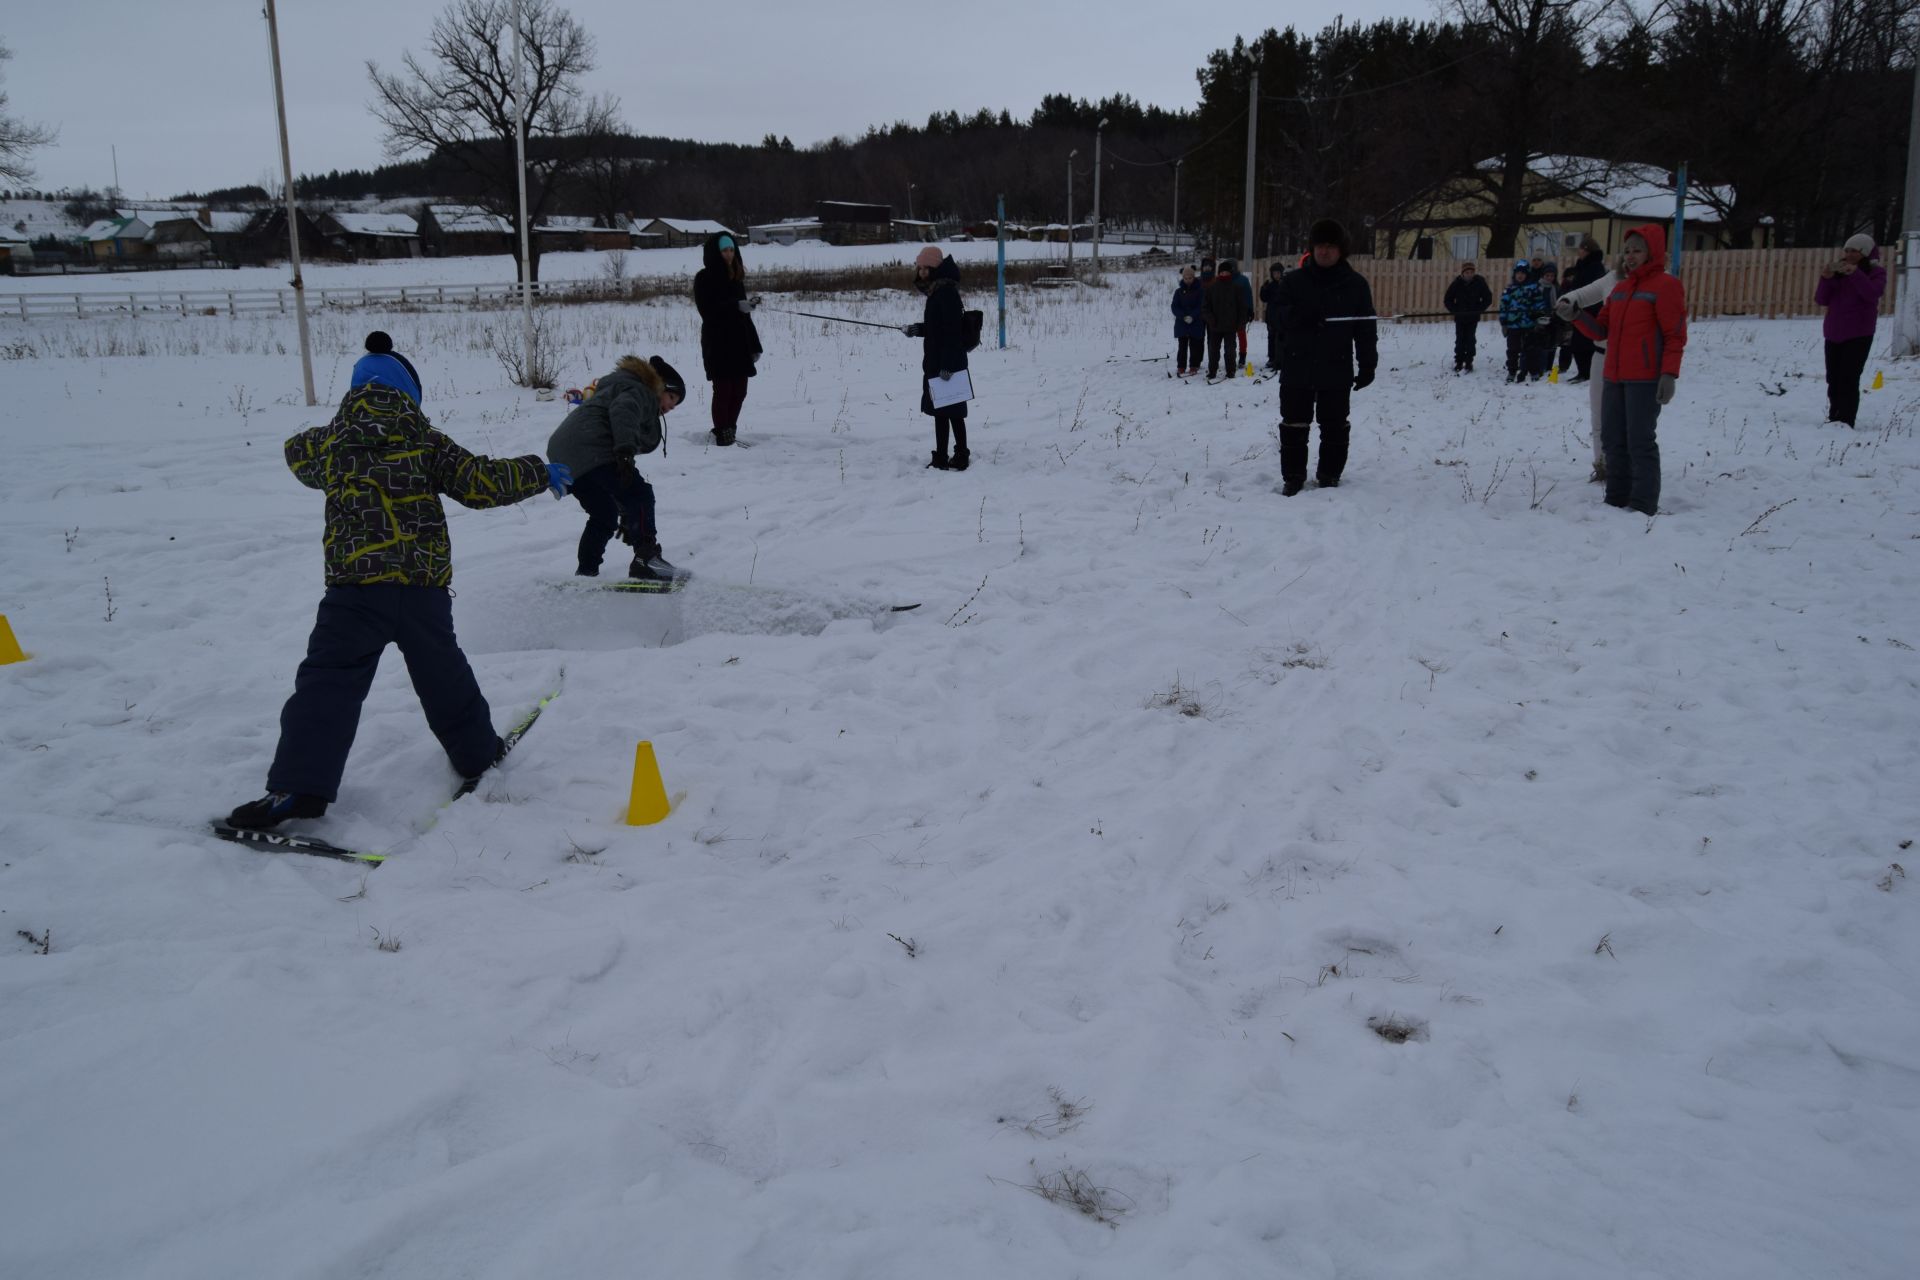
<point x="814" y="315"/>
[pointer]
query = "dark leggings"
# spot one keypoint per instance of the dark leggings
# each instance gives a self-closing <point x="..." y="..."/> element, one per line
<point x="942" y="423"/>
<point x="729" y="394"/>
<point x="1846" y="362"/>
<point x="1191" y="350"/>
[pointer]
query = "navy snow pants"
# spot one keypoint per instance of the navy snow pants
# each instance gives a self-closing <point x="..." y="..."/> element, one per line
<point x="354" y="627"/>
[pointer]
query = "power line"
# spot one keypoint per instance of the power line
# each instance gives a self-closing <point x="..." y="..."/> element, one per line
<point x="1155" y="164"/>
<point x="1379" y="88"/>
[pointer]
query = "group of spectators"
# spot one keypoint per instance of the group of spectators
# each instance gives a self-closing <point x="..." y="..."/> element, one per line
<point x="1537" y="338"/>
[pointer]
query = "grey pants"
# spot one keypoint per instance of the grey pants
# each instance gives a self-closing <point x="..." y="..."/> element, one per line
<point x="1629" y="417"/>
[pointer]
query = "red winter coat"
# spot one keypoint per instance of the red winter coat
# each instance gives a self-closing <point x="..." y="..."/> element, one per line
<point x="1644" y="319"/>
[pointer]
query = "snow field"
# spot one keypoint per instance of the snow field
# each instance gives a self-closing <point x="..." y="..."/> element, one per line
<point x="1175" y="787"/>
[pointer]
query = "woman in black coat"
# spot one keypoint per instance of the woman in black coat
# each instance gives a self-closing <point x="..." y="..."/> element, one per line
<point x="729" y="343"/>
<point x="943" y="335"/>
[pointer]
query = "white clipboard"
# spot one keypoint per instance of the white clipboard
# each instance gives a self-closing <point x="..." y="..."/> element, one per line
<point x="954" y="390"/>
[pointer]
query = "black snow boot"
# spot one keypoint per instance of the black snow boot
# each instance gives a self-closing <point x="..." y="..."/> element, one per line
<point x="274" y="808"/>
<point x="940" y="461"/>
<point x="649" y="566"/>
<point x="1291" y="485"/>
<point x="960" y="460"/>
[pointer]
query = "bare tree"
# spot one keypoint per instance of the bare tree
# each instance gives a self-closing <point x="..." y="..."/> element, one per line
<point x="18" y="139"/>
<point x="459" y="105"/>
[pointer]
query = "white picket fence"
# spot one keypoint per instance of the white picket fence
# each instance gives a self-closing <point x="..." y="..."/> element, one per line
<point x="234" y="302"/>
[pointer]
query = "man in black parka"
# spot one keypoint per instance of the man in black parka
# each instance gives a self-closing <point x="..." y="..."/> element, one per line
<point x="1468" y="298"/>
<point x="1326" y="322"/>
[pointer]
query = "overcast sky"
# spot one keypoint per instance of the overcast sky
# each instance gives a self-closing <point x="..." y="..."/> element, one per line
<point x="183" y="89"/>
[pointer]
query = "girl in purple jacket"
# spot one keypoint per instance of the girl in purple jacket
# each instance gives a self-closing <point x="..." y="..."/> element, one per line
<point x="1850" y="290"/>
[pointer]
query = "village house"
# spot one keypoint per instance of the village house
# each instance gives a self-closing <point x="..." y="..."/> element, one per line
<point x="355" y="236"/>
<point x="573" y="232"/>
<point x="785" y="231"/>
<point x="844" y="222"/>
<point x="457" y="230"/>
<point x="675" y="233"/>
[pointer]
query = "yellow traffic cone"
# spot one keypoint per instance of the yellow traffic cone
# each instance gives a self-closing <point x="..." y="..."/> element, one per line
<point x="1553" y="373"/>
<point x="1879" y="381"/>
<point x="1249" y="366"/>
<point x="647" y="802"/>
<point x="9" y="647"/>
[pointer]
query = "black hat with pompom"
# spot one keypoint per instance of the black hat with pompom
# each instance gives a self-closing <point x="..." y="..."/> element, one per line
<point x="381" y="344"/>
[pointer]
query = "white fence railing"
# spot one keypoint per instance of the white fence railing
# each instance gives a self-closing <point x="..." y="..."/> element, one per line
<point x="234" y="302"/>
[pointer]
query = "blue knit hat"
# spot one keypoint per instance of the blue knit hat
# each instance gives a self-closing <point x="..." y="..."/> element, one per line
<point x="385" y="371"/>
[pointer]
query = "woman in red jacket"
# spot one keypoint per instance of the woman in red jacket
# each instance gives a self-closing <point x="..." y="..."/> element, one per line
<point x="1644" y="324"/>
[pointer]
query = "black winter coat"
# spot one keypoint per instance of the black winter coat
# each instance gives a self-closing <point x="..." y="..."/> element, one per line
<point x="1270" y="299"/>
<point x="1589" y="268"/>
<point x="1227" y="309"/>
<point x="943" y="341"/>
<point x="1188" y="300"/>
<point x="1468" y="298"/>
<point x="729" y="342"/>
<point x="1313" y="353"/>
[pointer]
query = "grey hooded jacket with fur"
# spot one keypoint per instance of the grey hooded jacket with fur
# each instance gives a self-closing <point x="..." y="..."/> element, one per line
<point x="621" y="416"/>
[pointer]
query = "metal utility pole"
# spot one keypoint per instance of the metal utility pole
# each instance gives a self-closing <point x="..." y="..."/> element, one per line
<point x="1679" y="217"/>
<point x="1000" y="234"/>
<point x="1096" y="197"/>
<point x="293" y="207"/>
<point x="1176" y="203"/>
<point x="1253" y="124"/>
<point x="1906" y="329"/>
<point x="520" y="151"/>
<point x="1070" y="156"/>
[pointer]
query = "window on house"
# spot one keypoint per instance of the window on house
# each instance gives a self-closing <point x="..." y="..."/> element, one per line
<point x="1466" y="248"/>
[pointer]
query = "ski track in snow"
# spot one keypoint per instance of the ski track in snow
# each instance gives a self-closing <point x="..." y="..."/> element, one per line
<point x="1198" y="783"/>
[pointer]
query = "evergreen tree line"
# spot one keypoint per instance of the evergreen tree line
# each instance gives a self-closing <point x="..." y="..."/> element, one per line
<point x="1801" y="106"/>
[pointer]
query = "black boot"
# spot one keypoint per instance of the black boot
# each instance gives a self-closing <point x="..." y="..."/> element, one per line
<point x="650" y="566"/>
<point x="1291" y="485"/>
<point x="940" y="462"/>
<point x="960" y="459"/>
<point x="274" y="808"/>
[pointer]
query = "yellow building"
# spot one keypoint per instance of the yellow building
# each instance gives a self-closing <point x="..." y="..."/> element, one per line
<point x="1568" y="198"/>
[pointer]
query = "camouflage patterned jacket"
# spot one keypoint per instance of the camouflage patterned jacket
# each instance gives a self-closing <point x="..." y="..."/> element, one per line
<point x="383" y="468"/>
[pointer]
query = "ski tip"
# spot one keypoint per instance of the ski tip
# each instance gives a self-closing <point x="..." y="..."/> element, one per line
<point x="904" y="608"/>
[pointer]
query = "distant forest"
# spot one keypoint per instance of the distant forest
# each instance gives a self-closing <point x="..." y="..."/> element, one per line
<point x="1801" y="105"/>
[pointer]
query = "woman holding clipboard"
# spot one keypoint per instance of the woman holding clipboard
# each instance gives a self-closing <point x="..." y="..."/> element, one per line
<point x="943" y="334"/>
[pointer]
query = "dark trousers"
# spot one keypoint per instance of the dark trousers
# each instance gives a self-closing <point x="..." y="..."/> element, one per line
<point x="1583" y="352"/>
<point x="1539" y="353"/>
<point x="1190" y="350"/>
<point x="614" y="503"/>
<point x="1846" y="361"/>
<point x="1516" y="354"/>
<point x="945" y="422"/>
<point x="1218" y="343"/>
<point x="729" y="394"/>
<point x="1243" y="345"/>
<point x="1300" y="407"/>
<point x="1465" y="339"/>
<point x="1273" y="345"/>
<point x="354" y="627"/>
<point x="1629" y="417"/>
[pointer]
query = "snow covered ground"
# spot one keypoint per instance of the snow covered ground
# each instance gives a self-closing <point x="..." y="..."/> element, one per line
<point x="1100" y="874"/>
<point x="500" y="268"/>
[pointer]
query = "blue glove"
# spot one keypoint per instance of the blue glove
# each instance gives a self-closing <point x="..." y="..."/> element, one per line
<point x="559" y="478"/>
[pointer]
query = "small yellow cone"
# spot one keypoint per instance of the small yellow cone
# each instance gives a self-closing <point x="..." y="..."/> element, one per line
<point x="9" y="647"/>
<point x="1249" y="367"/>
<point x="1553" y="373"/>
<point x="1879" y="381"/>
<point x="647" y="803"/>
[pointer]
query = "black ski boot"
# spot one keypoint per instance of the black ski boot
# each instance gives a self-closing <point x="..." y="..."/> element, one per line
<point x="274" y="808"/>
<point x="649" y="566"/>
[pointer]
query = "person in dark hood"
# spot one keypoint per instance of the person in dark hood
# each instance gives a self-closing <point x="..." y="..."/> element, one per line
<point x="729" y="342"/>
<point x="943" y="352"/>
<point x="1242" y="283"/>
<point x="1189" y="325"/>
<point x="1644" y="324"/>
<point x="1327" y="326"/>
<point x="1467" y="299"/>
<point x="1591" y="265"/>
<point x="1227" y="314"/>
<point x="1523" y="312"/>
<point x="1269" y="308"/>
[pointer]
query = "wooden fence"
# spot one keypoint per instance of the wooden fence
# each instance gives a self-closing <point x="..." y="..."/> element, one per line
<point x="1763" y="283"/>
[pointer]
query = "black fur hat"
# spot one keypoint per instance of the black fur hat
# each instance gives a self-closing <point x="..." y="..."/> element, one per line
<point x="669" y="376"/>
<point x="1327" y="231"/>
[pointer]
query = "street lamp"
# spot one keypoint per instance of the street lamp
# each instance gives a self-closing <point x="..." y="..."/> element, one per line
<point x="1070" y="156"/>
<point x="1096" y="196"/>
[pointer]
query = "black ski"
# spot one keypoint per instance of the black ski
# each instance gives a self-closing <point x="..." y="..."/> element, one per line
<point x="285" y="842"/>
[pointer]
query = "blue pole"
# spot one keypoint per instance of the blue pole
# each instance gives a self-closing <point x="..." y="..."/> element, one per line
<point x="1000" y="238"/>
<point x="1679" y="217"/>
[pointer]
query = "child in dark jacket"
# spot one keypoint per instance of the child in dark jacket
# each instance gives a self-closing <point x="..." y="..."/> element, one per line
<point x="598" y="441"/>
<point x="1269" y="302"/>
<point x="389" y="567"/>
<point x="943" y="353"/>
<point x="1523" y="313"/>
<point x="1189" y="325"/>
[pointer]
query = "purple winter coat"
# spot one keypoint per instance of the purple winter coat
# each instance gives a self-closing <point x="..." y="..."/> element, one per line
<point x="1852" y="301"/>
